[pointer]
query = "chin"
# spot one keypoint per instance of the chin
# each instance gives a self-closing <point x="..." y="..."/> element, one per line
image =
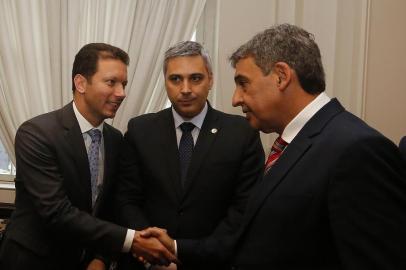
<point x="254" y="124"/>
<point x="109" y="115"/>
<point x="187" y="112"/>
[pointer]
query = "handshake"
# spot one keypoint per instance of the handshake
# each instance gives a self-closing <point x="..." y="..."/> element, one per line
<point x="154" y="246"/>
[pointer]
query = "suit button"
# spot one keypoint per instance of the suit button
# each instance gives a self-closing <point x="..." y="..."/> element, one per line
<point x="180" y="213"/>
<point x="234" y="267"/>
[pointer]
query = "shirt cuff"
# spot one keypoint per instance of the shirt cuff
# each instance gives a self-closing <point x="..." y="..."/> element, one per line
<point x="176" y="248"/>
<point x="128" y="240"/>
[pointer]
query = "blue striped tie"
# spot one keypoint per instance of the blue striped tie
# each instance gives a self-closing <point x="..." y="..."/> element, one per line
<point x="93" y="156"/>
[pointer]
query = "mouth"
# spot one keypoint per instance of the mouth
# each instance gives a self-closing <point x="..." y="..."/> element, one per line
<point x="186" y="101"/>
<point x="114" y="104"/>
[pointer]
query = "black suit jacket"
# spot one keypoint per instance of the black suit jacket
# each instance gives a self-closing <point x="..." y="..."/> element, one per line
<point x="335" y="199"/>
<point x="53" y="217"/>
<point x="226" y="161"/>
<point x="402" y="147"/>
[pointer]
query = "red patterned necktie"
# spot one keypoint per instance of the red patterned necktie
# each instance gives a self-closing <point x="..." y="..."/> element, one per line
<point x="276" y="150"/>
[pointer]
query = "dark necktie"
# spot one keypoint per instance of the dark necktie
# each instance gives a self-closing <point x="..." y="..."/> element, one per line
<point x="276" y="150"/>
<point x="185" y="148"/>
<point x="93" y="156"/>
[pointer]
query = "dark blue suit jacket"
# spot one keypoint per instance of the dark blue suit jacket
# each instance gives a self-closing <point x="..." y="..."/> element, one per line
<point x="335" y="199"/>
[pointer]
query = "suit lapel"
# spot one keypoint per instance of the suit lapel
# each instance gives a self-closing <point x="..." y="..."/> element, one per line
<point x="109" y="162"/>
<point x="77" y="149"/>
<point x="210" y="128"/>
<point x="293" y="153"/>
<point x="170" y="150"/>
<point x="276" y="174"/>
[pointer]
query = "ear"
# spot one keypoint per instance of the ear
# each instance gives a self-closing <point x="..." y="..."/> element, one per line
<point x="210" y="81"/>
<point x="80" y="83"/>
<point x="283" y="74"/>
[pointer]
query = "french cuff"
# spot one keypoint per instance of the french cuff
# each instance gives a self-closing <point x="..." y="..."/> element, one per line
<point x="128" y="240"/>
<point x="176" y="248"/>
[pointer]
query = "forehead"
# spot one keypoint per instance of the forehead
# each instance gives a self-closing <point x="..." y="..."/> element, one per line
<point x="186" y="65"/>
<point x="111" y="66"/>
<point x="247" y="67"/>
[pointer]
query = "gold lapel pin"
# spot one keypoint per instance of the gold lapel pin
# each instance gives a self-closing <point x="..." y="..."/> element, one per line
<point x="214" y="130"/>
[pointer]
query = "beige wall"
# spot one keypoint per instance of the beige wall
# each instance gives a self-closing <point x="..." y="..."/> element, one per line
<point x="239" y="20"/>
<point x="385" y="99"/>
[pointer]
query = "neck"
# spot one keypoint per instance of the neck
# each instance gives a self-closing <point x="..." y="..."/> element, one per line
<point x="296" y="103"/>
<point x="85" y="112"/>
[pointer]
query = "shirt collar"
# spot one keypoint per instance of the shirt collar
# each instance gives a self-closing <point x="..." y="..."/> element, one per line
<point x="197" y="120"/>
<point x="84" y="125"/>
<point x="297" y="123"/>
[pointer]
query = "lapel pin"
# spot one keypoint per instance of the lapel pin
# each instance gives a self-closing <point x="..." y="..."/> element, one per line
<point x="214" y="130"/>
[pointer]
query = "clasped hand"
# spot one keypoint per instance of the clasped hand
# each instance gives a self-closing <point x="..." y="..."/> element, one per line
<point x="153" y="245"/>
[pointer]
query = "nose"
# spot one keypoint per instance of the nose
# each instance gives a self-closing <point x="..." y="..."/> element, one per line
<point x="237" y="98"/>
<point x="120" y="91"/>
<point x="185" y="87"/>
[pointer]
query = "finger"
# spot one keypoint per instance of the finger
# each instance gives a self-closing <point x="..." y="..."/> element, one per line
<point x="160" y="229"/>
<point x="145" y="233"/>
<point x="171" y="257"/>
<point x="155" y="232"/>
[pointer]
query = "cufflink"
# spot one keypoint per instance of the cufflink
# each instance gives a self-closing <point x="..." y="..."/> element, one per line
<point x="214" y="130"/>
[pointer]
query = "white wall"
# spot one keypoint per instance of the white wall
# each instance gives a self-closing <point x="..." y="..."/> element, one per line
<point x="385" y="102"/>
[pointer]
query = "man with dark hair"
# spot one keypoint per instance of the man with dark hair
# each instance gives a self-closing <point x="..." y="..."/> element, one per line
<point x="333" y="195"/>
<point x="66" y="162"/>
<point x="188" y="169"/>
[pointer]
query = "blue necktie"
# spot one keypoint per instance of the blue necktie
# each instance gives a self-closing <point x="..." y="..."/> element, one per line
<point x="185" y="149"/>
<point x="93" y="156"/>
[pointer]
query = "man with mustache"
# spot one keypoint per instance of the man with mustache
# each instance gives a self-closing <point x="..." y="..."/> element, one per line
<point x="66" y="163"/>
<point x="189" y="168"/>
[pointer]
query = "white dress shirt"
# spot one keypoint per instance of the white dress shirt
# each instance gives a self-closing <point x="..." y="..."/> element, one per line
<point x="197" y="121"/>
<point x="85" y="126"/>
<point x="297" y="123"/>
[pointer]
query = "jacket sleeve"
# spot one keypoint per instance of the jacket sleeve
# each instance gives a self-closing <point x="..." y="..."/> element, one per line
<point x="218" y="246"/>
<point x="129" y="195"/>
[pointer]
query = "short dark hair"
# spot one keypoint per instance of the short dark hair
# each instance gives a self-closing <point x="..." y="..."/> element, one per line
<point x="86" y="59"/>
<point x="292" y="45"/>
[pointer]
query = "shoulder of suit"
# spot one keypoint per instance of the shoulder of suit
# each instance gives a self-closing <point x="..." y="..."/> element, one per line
<point x="114" y="131"/>
<point x="232" y="119"/>
<point x="348" y="129"/>
<point x="149" y="118"/>
<point x="47" y="120"/>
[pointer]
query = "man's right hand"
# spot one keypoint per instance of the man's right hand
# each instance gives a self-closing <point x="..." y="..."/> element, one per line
<point x="152" y="250"/>
<point x="161" y="235"/>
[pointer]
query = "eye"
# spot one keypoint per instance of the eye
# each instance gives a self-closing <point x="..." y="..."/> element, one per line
<point x="110" y="82"/>
<point x="242" y="83"/>
<point x="196" y="77"/>
<point x="174" y="78"/>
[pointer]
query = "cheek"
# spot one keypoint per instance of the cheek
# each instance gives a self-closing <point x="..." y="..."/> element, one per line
<point x="202" y="91"/>
<point x="171" y="92"/>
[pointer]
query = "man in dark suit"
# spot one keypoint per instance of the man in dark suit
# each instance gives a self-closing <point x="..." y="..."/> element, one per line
<point x="336" y="197"/>
<point x="66" y="162"/>
<point x="199" y="201"/>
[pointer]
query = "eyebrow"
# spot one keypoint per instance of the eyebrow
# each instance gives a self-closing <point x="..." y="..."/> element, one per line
<point x="239" y="78"/>
<point x="186" y="75"/>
